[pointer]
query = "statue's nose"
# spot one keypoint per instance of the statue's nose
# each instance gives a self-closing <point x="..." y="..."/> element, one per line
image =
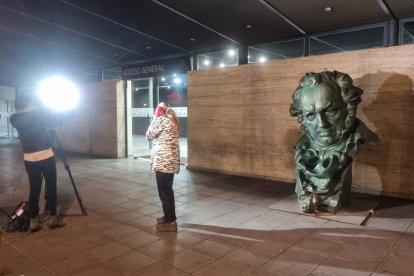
<point x="323" y="122"/>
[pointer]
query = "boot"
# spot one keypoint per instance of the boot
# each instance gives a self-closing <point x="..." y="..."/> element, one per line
<point x="161" y="220"/>
<point x="35" y="225"/>
<point x="55" y="222"/>
<point x="167" y="227"/>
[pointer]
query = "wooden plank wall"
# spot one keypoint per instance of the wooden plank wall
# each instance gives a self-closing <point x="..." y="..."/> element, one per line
<point x="239" y="122"/>
<point x="98" y="125"/>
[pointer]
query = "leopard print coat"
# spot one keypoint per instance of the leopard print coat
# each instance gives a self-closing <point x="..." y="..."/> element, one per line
<point x="166" y="148"/>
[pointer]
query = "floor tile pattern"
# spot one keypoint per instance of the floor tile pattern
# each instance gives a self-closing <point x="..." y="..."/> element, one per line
<point x="228" y="225"/>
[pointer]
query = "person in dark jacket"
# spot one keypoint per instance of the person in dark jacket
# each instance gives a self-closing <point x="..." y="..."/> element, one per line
<point x="32" y="125"/>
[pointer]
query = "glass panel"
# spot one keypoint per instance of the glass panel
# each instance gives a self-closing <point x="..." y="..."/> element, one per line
<point x="277" y="50"/>
<point x="319" y="48"/>
<point x="112" y="74"/>
<point x="347" y="41"/>
<point x="142" y="109"/>
<point x="408" y="33"/>
<point x="173" y="90"/>
<point x="217" y="59"/>
<point x="7" y="95"/>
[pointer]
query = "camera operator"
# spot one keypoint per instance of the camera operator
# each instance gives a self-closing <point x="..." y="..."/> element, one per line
<point x="32" y="124"/>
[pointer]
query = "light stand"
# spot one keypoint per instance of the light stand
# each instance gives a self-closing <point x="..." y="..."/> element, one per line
<point x="55" y="137"/>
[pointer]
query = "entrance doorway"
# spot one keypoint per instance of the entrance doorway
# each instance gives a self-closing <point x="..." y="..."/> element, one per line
<point x="142" y="106"/>
<point x="144" y="95"/>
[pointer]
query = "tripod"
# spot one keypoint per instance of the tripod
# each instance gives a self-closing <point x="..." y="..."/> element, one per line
<point x="55" y="138"/>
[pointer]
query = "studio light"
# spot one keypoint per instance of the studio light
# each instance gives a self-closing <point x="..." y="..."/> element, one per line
<point x="177" y="80"/>
<point x="58" y="93"/>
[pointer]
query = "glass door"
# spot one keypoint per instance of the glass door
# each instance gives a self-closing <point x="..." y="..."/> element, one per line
<point x="143" y="95"/>
<point x="172" y="89"/>
<point x="141" y="114"/>
<point x="7" y="95"/>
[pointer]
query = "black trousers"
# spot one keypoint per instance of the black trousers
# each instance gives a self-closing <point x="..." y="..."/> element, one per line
<point x="35" y="171"/>
<point x="166" y="193"/>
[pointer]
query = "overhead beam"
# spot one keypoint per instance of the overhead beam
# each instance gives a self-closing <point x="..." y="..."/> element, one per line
<point x="123" y="26"/>
<point x="196" y="22"/>
<point x="281" y="15"/>
<point x="72" y="31"/>
<point x="386" y="9"/>
<point x="59" y="45"/>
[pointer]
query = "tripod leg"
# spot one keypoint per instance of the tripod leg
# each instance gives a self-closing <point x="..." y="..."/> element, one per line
<point x="67" y="168"/>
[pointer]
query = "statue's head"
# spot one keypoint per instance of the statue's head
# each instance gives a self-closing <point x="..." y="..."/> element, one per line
<point x="326" y="104"/>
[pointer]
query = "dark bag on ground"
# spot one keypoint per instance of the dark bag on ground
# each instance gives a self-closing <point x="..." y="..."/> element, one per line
<point x="19" y="219"/>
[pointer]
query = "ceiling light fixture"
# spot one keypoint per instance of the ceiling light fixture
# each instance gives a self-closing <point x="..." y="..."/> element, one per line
<point x="192" y="39"/>
<point x="248" y="26"/>
<point x="328" y="9"/>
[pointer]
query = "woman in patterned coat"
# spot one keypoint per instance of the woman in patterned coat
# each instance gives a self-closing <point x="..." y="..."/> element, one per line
<point x="164" y="130"/>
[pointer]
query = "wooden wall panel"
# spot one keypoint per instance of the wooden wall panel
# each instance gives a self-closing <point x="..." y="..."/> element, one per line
<point x="98" y="126"/>
<point x="239" y="122"/>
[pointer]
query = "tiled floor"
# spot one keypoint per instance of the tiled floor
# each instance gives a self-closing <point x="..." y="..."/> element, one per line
<point x="227" y="226"/>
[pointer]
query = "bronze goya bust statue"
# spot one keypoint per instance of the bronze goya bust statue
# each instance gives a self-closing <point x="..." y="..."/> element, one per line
<point x="326" y="105"/>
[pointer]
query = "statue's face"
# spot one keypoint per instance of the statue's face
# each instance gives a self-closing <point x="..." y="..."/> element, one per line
<point x="324" y="114"/>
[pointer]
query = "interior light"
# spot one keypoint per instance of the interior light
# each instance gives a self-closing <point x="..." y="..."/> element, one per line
<point x="222" y="64"/>
<point x="162" y="79"/>
<point x="177" y="80"/>
<point x="262" y="59"/>
<point x="58" y="93"/>
<point x="206" y="62"/>
<point x="328" y="9"/>
<point x="231" y="52"/>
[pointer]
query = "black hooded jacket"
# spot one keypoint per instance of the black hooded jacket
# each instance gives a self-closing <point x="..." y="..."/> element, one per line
<point x="32" y="127"/>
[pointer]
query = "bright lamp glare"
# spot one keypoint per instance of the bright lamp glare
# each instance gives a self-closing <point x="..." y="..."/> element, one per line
<point x="58" y="94"/>
<point x="262" y="59"/>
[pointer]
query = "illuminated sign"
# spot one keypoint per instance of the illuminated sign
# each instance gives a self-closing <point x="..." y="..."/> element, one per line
<point x="156" y="68"/>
